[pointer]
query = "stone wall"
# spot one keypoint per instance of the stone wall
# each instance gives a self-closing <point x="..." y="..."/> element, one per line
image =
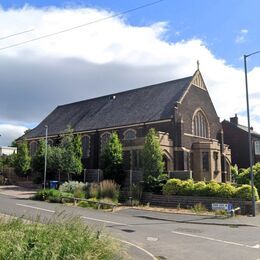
<point x="190" y="201"/>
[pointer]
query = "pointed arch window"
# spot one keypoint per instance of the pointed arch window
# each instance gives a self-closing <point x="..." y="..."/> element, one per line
<point x="200" y="124"/>
<point x="130" y="134"/>
<point x="104" y="139"/>
<point x="33" y="148"/>
<point x="85" y="140"/>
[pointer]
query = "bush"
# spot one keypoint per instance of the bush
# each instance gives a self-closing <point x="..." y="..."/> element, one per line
<point x="109" y="189"/>
<point x="59" y="239"/>
<point x="48" y="194"/>
<point x="244" y="192"/>
<point x="155" y="184"/>
<point x="199" y="188"/>
<point x="71" y="186"/>
<point x="212" y="189"/>
<point x="84" y="204"/>
<point x="172" y="187"/>
<point x="187" y="188"/>
<point x="94" y="190"/>
<point x="226" y="191"/>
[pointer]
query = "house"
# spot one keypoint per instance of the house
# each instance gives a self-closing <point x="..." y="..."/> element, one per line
<point x="181" y="110"/>
<point x="6" y="150"/>
<point x="236" y="136"/>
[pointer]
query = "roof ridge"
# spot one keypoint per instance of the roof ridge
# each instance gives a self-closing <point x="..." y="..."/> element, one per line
<point x="126" y="91"/>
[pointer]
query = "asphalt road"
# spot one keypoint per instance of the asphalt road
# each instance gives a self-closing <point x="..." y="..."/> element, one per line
<point x="153" y="235"/>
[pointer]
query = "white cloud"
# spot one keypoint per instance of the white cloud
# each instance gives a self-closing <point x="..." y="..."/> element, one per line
<point x="103" y="58"/>
<point x="10" y="132"/>
<point x="241" y="37"/>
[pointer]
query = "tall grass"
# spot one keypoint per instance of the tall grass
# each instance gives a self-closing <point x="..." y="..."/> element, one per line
<point x="67" y="239"/>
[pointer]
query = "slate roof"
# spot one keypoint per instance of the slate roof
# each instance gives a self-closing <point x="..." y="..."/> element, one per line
<point x="242" y="127"/>
<point x="151" y="103"/>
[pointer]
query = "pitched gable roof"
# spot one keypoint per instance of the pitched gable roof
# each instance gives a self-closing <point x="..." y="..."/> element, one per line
<point x="147" y="104"/>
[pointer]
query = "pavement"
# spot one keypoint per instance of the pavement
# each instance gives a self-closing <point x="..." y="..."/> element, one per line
<point x="238" y="220"/>
<point x="17" y="191"/>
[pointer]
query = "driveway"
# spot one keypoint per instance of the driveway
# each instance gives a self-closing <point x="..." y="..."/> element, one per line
<point x="17" y="191"/>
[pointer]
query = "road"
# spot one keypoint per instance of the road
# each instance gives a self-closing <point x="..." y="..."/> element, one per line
<point x="153" y="235"/>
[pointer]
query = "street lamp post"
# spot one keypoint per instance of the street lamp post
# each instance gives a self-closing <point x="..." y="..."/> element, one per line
<point x="45" y="161"/>
<point x="249" y="134"/>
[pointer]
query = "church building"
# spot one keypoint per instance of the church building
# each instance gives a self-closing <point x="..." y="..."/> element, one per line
<point x="190" y="132"/>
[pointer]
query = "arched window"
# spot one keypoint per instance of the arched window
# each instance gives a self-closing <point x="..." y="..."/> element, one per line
<point x="33" y="148"/>
<point x="85" y="146"/>
<point x="50" y="142"/>
<point x="200" y="124"/>
<point x="130" y="134"/>
<point x="104" y="139"/>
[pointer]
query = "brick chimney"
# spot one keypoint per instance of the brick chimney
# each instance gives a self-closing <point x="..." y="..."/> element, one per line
<point x="234" y="119"/>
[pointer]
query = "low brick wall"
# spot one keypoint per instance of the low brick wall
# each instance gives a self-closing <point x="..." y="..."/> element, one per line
<point x="190" y="201"/>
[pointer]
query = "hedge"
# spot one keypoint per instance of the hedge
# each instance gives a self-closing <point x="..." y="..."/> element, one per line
<point x="211" y="189"/>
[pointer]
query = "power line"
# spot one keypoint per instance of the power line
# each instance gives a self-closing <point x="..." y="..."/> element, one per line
<point x="15" y="34"/>
<point x="81" y="25"/>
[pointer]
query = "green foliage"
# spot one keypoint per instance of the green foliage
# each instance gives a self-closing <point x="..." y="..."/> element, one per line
<point x="155" y="184"/>
<point x="112" y="159"/>
<point x="39" y="157"/>
<point x="58" y="239"/>
<point x="234" y="172"/>
<point x="71" y="186"/>
<point x="199" y="188"/>
<point x="51" y="195"/>
<point x="245" y="192"/>
<point x="72" y="153"/>
<point x="23" y="159"/>
<point x="8" y="160"/>
<point x="244" y="176"/>
<point x="84" y="204"/>
<point x="172" y="187"/>
<point x="152" y="155"/>
<point x="226" y="191"/>
<point x="211" y="189"/>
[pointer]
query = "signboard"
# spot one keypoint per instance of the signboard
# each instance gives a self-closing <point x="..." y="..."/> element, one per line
<point x="222" y="206"/>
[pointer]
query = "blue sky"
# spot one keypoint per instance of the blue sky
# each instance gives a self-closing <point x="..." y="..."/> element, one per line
<point x="230" y="28"/>
<point x="159" y="43"/>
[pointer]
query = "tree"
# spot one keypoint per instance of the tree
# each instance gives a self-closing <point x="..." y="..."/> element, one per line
<point x="23" y="159"/>
<point x="112" y="159"/>
<point x="39" y="157"/>
<point x="72" y="153"/>
<point x="153" y="164"/>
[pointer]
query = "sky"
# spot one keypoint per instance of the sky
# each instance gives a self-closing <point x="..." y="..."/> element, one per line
<point x="158" y="43"/>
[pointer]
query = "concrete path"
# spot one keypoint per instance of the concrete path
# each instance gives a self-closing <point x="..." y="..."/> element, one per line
<point x="17" y="191"/>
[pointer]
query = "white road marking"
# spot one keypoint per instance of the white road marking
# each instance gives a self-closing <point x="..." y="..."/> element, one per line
<point x="32" y="207"/>
<point x="152" y="239"/>
<point x="214" y="239"/>
<point x="105" y="221"/>
<point x="140" y="248"/>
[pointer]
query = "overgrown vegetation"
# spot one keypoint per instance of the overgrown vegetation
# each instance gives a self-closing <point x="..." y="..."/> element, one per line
<point x="211" y="189"/>
<point x="23" y="159"/>
<point x="152" y="156"/>
<point x="69" y="239"/>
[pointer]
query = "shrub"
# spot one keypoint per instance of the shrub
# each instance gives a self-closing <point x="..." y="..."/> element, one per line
<point x="155" y="184"/>
<point x="172" y="187"/>
<point x="78" y="193"/>
<point x="71" y="186"/>
<point x="109" y="189"/>
<point x="212" y="189"/>
<point x="199" y="188"/>
<point x="48" y="194"/>
<point x="59" y="239"/>
<point x="226" y="191"/>
<point x="84" y="204"/>
<point x="187" y="188"/>
<point x="244" y="192"/>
